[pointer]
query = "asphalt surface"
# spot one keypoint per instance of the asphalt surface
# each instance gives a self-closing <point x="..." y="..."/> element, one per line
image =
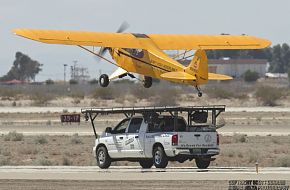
<point x="136" y="173"/>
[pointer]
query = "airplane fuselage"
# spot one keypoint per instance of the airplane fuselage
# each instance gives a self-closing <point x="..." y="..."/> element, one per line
<point x="147" y="63"/>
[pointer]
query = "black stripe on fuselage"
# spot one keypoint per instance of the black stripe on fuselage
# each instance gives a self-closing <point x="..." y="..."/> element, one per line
<point x="140" y="35"/>
<point x="142" y="61"/>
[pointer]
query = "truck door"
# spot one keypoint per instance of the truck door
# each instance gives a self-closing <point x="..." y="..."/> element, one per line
<point x="132" y="144"/>
<point x="116" y="146"/>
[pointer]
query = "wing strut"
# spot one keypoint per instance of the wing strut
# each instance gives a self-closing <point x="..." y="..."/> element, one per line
<point x="98" y="55"/>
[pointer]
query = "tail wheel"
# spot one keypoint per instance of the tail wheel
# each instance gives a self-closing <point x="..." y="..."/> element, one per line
<point x="103" y="158"/>
<point x="160" y="159"/>
<point x="104" y="80"/>
<point x="146" y="163"/>
<point x="147" y="82"/>
<point x="202" y="164"/>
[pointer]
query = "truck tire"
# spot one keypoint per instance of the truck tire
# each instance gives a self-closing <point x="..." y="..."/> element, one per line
<point x="202" y="164"/>
<point x="103" y="158"/>
<point x="160" y="159"/>
<point x="146" y="163"/>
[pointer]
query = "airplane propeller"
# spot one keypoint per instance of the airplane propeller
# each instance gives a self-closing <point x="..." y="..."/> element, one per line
<point x="124" y="26"/>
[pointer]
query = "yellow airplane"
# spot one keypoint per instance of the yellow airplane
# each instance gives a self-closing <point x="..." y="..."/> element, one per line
<point x="143" y="53"/>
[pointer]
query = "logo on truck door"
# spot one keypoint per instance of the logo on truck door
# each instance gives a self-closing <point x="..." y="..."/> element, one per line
<point x="207" y="138"/>
<point x="129" y="141"/>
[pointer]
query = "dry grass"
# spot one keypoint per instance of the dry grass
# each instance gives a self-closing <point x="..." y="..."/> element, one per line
<point x="268" y="96"/>
<point x="13" y="136"/>
<point x="61" y="150"/>
<point x="40" y="139"/>
<point x="282" y="161"/>
<point x="240" y="138"/>
<point x="75" y="139"/>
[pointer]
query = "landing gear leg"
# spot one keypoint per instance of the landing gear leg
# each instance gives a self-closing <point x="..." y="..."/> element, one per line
<point x="199" y="93"/>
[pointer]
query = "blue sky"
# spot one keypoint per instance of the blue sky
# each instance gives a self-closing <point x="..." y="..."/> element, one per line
<point x="266" y="19"/>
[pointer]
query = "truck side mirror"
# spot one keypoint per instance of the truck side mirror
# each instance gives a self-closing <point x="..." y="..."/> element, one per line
<point x="108" y="130"/>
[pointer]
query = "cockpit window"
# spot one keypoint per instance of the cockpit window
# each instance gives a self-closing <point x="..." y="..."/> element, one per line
<point x="139" y="53"/>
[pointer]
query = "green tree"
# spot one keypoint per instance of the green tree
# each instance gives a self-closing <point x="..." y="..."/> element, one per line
<point x="280" y="62"/>
<point x="23" y="68"/>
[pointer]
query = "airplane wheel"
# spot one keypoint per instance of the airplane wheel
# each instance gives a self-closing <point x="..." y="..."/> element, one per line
<point x="104" y="80"/>
<point x="199" y="94"/>
<point x="147" y="83"/>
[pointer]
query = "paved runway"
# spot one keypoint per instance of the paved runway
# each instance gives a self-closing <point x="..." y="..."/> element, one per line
<point x="136" y="173"/>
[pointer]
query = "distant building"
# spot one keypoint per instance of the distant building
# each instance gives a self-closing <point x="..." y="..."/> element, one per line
<point x="235" y="67"/>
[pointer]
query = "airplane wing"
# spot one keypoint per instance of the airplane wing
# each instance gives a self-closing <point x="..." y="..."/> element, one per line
<point x="215" y="76"/>
<point x="178" y="76"/>
<point x="131" y="40"/>
<point x="207" y="42"/>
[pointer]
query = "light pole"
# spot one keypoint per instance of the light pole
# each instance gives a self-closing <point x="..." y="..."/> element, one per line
<point x="64" y="72"/>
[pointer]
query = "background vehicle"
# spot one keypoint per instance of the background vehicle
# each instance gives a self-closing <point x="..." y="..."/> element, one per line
<point x="152" y="138"/>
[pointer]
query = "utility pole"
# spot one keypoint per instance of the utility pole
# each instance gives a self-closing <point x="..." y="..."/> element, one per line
<point x="73" y="70"/>
<point x="64" y="72"/>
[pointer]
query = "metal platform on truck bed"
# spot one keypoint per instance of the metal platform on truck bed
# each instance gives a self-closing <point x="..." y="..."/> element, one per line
<point x="141" y="110"/>
<point x="194" y="113"/>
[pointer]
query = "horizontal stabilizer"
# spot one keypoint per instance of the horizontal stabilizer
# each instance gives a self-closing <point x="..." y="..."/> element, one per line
<point x="214" y="76"/>
<point x="178" y="76"/>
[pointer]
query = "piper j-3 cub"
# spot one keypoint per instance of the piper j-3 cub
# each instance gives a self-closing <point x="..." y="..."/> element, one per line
<point x="143" y="53"/>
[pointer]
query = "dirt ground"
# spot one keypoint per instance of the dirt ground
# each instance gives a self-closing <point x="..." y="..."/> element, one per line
<point x="236" y="151"/>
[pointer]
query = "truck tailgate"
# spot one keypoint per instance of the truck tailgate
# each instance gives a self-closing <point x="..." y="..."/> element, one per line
<point x="197" y="140"/>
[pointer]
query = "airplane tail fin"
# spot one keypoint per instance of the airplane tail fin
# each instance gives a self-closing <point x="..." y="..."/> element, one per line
<point x="198" y="67"/>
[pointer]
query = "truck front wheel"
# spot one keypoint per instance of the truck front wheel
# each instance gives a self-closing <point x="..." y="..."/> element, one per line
<point x="202" y="164"/>
<point x="146" y="163"/>
<point x="103" y="158"/>
<point x="160" y="159"/>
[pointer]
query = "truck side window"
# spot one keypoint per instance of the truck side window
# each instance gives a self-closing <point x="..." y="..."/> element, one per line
<point x="121" y="127"/>
<point x="135" y="125"/>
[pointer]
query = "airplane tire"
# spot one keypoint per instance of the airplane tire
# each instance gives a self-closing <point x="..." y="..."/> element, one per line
<point x="147" y="83"/>
<point x="160" y="159"/>
<point x="202" y="164"/>
<point x="103" y="158"/>
<point x="104" y="80"/>
<point x="146" y="163"/>
<point x="199" y="94"/>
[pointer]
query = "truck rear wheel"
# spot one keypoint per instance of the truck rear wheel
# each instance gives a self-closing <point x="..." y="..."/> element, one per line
<point x="146" y="163"/>
<point x="103" y="158"/>
<point x="202" y="164"/>
<point x="160" y="159"/>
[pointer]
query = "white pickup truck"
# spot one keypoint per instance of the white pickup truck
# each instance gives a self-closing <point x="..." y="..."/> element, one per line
<point x="157" y="141"/>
